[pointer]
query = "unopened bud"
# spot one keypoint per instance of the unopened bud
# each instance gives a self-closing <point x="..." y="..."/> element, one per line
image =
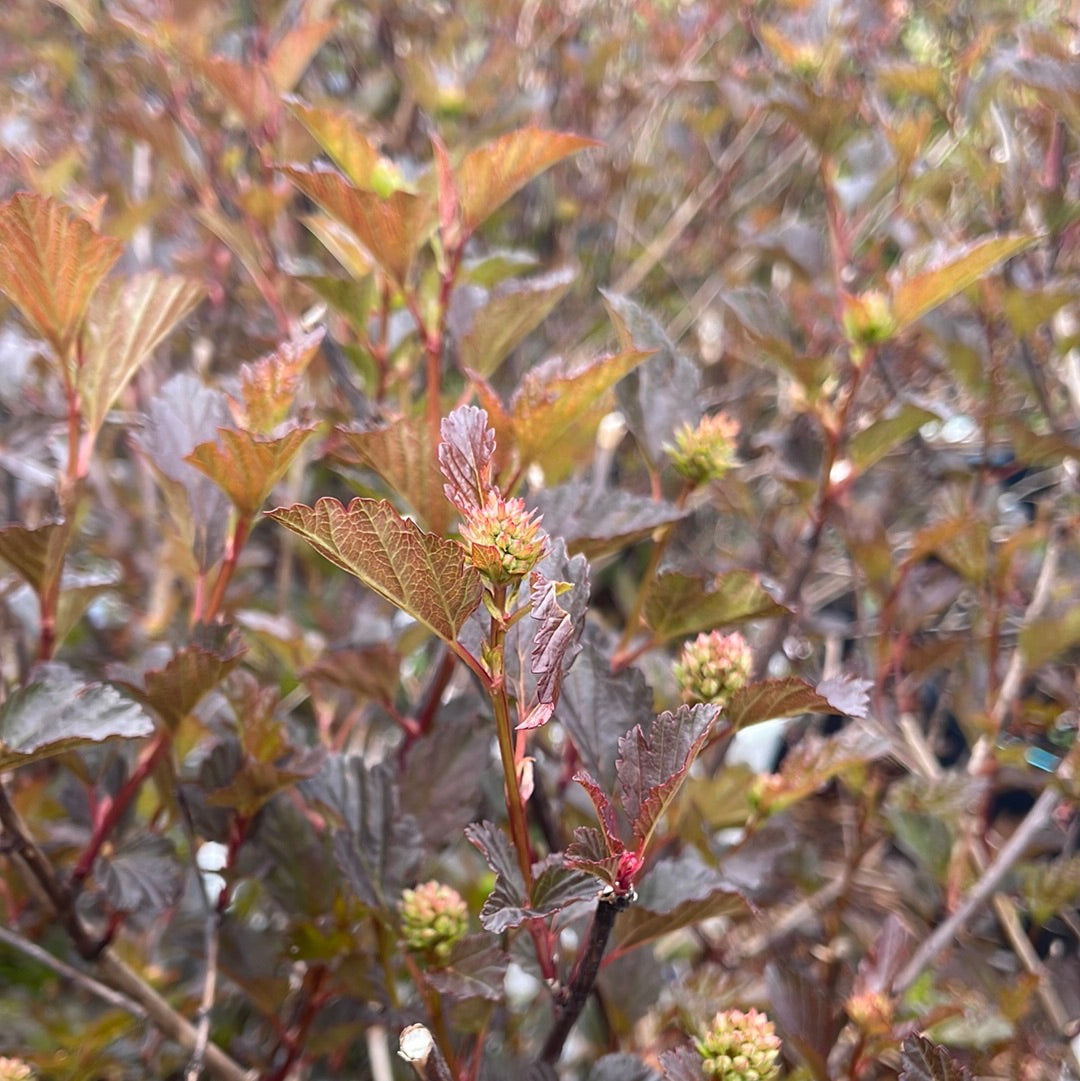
<point x="740" y="1047"/>
<point x="713" y="667"/>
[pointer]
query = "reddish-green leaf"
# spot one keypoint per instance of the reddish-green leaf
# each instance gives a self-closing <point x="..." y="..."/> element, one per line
<point x="127" y="320"/>
<point x="465" y="458"/>
<point x="773" y="698"/>
<point x="370" y="673"/>
<point x="874" y="442"/>
<point x="424" y="575"/>
<point x="35" y="553"/>
<point x="652" y="766"/>
<point x="50" y="263"/>
<point x="343" y="245"/>
<point x="268" y="385"/>
<point x="401" y="453"/>
<point x="245" y="466"/>
<point x="339" y="134"/>
<point x="58" y="711"/>
<point x="679" y="604"/>
<point x="294" y="51"/>
<point x="1042" y="640"/>
<point x="489" y="175"/>
<point x="915" y="296"/>
<point x="390" y="228"/>
<point x="507" y="316"/>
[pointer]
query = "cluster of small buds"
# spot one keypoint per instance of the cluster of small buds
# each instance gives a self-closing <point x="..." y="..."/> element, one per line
<point x="433" y="918"/>
<point x="505" y="541"/>
<point x="740" y="1047"/>
<point x="868" y="318"/>
<point x="872" y="1011"/>
<point x="706" y="452"/>
<point x="14" y="1069"/>
<point x="713" y="667"/>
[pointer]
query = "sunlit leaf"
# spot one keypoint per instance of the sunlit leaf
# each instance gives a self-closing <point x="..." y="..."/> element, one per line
<point x="294" y="51"/>
<point x="773" y="698"/>
<point x="344" y="246"/>
<point x="126" y="322"/>
<point x="352" y="151"/>
<point x="268" y="385"/>
<point x="58" y="711"/>
<point x="465" y="458"/>
<point x="915" y="296"/>
<point x="51" y="261"/>
<point x="424" y="575"/>
<point x="507" y="316"/>
<point x="678" y="604"/>
<point x="245" y="466"/>
<point x="390" y="228"/>
<point x="489" y="175"/>
<point x="245" y="88"/>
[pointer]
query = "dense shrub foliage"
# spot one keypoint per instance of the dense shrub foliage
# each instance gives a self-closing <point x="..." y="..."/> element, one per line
<point x="539" y="539"/>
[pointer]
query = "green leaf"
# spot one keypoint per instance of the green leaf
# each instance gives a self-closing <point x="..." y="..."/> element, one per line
<point x="50" y="263"/>
<point x="874" y="442"/>
<point x="245" y="466"/>
<point x="390" y="228"/>
<point x="921" y="293"/>
<point x="489" y="175"/>
<point x="352" y="151"/>
<point x="126" y="321"/>
<point x="57" y="711"/>
<point x="422" y="574"/>
<point x="1042" y="640"/>
<point x="679" y="604"/>
<point x="507" y="316"/>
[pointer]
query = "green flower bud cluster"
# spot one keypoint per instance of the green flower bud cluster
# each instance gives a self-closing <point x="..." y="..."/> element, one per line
<point x="713" y="667"/>
<point x="740" y="1047"/>
<point x="505" y="541"/>
<point x="433" y="918"/>
<point x="706" y="452"/>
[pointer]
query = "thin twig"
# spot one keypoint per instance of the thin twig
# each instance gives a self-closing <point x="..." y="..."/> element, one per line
<point x="61" y="968"/>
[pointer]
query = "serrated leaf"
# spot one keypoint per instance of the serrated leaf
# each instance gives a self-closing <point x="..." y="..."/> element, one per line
<point x="35" y="553"/>
<point x="674" y="894"/>
<point x="507" y="316"/>
<point x="508" y="895"/>
<point x="874" y="442"/>
<point x="921" y="1060"/>
<point x="176" y="688"/>
<point x="51" y="261"/>
<point x="475" y="969"/>
<point x="350" y="148"/>
<point x="770" y="699"/>
<point x="915" y="296"/>
<point x="652" y="766"/>
<point x="597" y="523"/>
<point x="141" y="876"/>
<point x="126" y="321"/>
<point x="401" y="453"/>
<point x="58" y="711"/>
<point x="682" y="1064"/>
<point x="391" y="228"/>
<point x="489" y="175"/>
<point x="377" y="846"/>
<point x="665" y="391"/>
<point x="420" y="573"/>
<point x="555" y="645"/>
<point x="246" y="466"/>
<point x="465" y="458"/>
<point x="680" y="604"/>
<point x="268" y="385"/>
<point x="598" y="707"/>
<point x="590" y="850"/>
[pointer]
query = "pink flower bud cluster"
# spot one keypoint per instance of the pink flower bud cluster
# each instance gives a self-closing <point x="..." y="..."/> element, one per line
<point x="713" y="667"/>
<point x="740" y="1047"/>
<point x="505" y="541"/>
<point x="433" y="918"/>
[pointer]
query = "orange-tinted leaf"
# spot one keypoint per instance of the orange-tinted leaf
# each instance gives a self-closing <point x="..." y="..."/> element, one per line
<point x="245" y="466"/>
<point x="127" y="320"/>
<point x="390" y="228"/>
<point x="341" y="243"/>
<point x="420" y="573"/>
<point x="680" y="604"/>
<point x="351" y="150"/>
<point x="246" y="88"/>
<point x="508" y="316"/>
<point x="489" y="175"/>
<point x="774" y="698"/>
<point x="268" y="385"/>
<point x="1043" y="639"/>
<point x="296" y="49"/>
<point x="50" y="263"/>
<point x="401" y="453"/>
<point x="923" y="292"/>
<point x="961" y="542"/>
<point x="35" y="553"/>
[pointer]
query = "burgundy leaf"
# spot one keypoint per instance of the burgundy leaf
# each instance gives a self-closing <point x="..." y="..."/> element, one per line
<point x="554" y="648"/>
<point x="465" y="456"/>
<point x="682" y="1064"/>
<point x="921" y="1060"/>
